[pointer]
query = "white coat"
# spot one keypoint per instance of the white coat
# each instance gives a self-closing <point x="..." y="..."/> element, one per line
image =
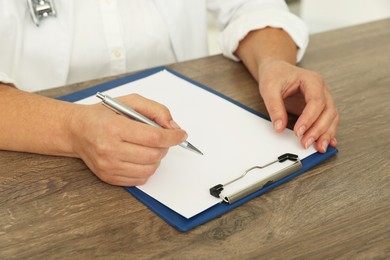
<point x="35" y="58"/>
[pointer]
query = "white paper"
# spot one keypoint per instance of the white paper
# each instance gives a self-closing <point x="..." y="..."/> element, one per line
<point x="231" y="138"/>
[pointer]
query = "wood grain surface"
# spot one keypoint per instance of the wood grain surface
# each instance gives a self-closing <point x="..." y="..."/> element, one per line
<point x="55" y="208"/>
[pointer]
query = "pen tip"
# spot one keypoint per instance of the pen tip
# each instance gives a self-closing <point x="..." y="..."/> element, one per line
<point x="193" y="148"/>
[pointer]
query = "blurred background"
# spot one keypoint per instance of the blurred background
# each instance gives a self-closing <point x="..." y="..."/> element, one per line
<point x="324" y="15"/>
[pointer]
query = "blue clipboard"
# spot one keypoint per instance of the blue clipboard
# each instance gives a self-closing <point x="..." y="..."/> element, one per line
<point x="176" y="220"/>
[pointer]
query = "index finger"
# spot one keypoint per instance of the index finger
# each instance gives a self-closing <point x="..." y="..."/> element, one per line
<point x="150" y="136"/>
<point x="315" y="97"/>
<point x="151" y="109"/>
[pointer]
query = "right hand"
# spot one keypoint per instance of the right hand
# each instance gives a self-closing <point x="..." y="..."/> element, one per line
<point x="121" y="151"/>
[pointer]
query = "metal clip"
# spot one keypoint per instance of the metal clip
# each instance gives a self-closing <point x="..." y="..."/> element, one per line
<point x="261" y="183"/>
<point x="40" y="9"/>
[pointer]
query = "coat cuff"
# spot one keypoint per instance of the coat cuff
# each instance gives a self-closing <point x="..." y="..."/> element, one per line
<point x="6" y="80"/>
<point x="239" y="28"/>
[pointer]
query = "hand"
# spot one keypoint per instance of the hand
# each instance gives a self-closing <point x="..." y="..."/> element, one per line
<point x="121" y="151"/>
<point x="285" y="87"/>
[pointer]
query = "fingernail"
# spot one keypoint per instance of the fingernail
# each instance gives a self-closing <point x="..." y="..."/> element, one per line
<point x="334" y="141"/>
<point x="278" y="125"/>
<point x="309" y="142"/>
<point x="325" y="144"/>
<point x="301" y="131"/>
<point x="174" y="124"/>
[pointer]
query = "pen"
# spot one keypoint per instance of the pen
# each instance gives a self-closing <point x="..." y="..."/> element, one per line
<point x="125" y="110"/>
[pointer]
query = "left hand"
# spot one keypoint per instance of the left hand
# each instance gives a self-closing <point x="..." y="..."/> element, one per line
<point x="288" y="88"/>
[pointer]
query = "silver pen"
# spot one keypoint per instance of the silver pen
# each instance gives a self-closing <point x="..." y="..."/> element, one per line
<point x="125" y="110"/>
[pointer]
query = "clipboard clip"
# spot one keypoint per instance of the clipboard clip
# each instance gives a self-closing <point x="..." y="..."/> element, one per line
<point x="231" y="198"/>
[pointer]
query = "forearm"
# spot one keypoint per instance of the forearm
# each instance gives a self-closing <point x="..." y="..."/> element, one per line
<point x="33" y="123"/>
<point x="266" y="45"/>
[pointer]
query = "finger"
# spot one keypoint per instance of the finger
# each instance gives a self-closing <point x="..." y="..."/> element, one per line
<point x="275" y="106"/>
<point x="326" y="139"/>
<point x="333" y="142"/>
<point x="110" y="145"/>
<point x="138" y="174"/>
<point x="150" y="136"/>
<point x="124" y="181"/>
<point x="133" y="153"/>
<point x="151" y="109"/>
<point x="316" y="101"/>
<point x="327" y="123"/>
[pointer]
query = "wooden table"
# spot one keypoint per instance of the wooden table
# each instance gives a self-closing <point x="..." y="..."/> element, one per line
<point x="54" y="207"/>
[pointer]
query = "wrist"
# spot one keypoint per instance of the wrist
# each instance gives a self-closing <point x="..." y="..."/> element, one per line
<point x="74" y="129"/>
<point x="265" y="46"/>
<point x="270" y="64"/>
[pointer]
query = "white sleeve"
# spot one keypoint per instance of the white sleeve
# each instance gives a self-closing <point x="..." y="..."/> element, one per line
<point x="9" y="43"/>
<point x="236" y="18"/>
<point x="5" y="79"/>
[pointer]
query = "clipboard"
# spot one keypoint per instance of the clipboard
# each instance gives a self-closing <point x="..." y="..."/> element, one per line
<point x="173" y="218"/>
